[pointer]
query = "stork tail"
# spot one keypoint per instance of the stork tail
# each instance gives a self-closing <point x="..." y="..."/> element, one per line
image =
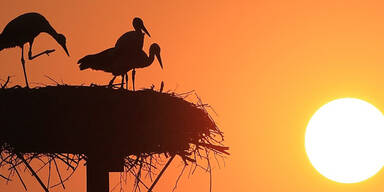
<point x="99" y="61"/>
<point x="85" y="62"/>
<point x="92" y="62"/>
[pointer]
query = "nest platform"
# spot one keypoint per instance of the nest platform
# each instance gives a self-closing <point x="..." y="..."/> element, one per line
<point x="115" y="128"/>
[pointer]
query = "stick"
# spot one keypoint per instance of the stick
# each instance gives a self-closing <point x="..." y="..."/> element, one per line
<point x="4" y="177"/>
<point x="21" y="179"/>
<point x="161" y="173"/>
<point x="162" y="87"/>
<point x="58" y="173"/>
<point x="32" y="171"/>
<point x="52" y="79"/>
<point x="6" y="83"/>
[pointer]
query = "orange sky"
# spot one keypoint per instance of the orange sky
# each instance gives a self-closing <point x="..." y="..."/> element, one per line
<point x="265" y="67"/>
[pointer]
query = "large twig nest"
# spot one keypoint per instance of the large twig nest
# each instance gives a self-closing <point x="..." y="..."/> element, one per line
<point x="104" y="121"/>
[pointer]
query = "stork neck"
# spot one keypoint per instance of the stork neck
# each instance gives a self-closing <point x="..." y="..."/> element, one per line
<point x="151" y="57"/>
<point x="51" y="31"/>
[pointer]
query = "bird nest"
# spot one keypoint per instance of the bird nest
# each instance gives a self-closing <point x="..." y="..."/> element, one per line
<point x="125" y="130"/>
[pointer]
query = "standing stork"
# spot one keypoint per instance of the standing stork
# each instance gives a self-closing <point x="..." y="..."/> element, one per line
<point x="110" y="61"/>
<point x="104" y="61"/>
<point x="142" y="60"/>
<point x="24" y="29"/>
<point x="132" y="42"/>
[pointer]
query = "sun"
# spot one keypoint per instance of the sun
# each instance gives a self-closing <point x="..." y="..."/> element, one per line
<point x="344" y="140"/>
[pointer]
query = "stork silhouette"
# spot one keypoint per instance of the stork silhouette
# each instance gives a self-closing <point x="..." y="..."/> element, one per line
<point x="132" y="41"/>
<point x="127" y="46"/>
<point x="111" y="61"/>
<point x="24" y="29"/>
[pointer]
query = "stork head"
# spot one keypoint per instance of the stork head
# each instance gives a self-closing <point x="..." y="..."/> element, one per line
<point x="62" y="41"/>
<point x="155" y="49"/>
<point x="139" y="25"/>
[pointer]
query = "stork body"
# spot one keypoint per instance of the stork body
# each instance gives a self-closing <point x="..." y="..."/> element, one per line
<point x="105" y="61"/>
<point x="111" y="61"/>
<point x="133" y="40"/>
<point x="24" y="29"/>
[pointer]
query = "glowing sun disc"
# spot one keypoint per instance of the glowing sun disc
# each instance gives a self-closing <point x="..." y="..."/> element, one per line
<point x="344" y="140"/>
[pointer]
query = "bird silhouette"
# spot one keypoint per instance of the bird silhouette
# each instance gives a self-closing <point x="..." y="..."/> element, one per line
<point x="111" y="61"/>
<point x="105" y="61"/>
<point x="132" y="42"/>
<point x="23" y="29"/>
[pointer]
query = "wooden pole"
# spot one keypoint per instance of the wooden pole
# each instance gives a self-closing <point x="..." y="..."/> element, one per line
<point x="97" y="176"/>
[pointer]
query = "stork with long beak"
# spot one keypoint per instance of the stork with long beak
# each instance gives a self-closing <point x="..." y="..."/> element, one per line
<point x="142" y="60"/>
<point x="133" y="40"/>
<point x="24" y="29"/>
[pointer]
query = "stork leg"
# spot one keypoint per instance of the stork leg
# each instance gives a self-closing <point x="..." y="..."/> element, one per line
<point x="126" y="80"/>
<point x="111" y="82"/>
<point x="23" y="64"/>
<point x="133" y="78"/>
<point x="122" y="81"/>
<point x="30" y="57"/>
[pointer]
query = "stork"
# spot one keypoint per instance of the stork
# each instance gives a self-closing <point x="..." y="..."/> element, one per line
<point x="111" y="61"/>
<point x="142" y="60"/>
<point x="105" y="61"/>
<point x="24" y="29"/>
<point x="132" y="42"/>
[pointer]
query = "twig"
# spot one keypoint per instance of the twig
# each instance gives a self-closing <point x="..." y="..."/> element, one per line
<point x="133" y="173"/>
<point x="161" y="86"/>
<point x="5" y="159"/>
<point x="21" y="179"/>
<point x="49" y="173"/>
<point x="161" y="173"/>
<point x="44" y="164"/>
<point x="138" y="176"/>
<point x="52" y="79"/>
<point x="32" y="171"/>
<point x="178" y="178"/>
<point x="6" y="83"/>
<point x="210" y="170"/>
<point x="66" y="179"/>
<point x="58" y="173"/>
<point x="4" y="177"/>
<point x="67" y="163"/>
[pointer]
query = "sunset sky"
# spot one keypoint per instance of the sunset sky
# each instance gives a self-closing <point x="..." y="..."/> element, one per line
<point x="264" y="66"/>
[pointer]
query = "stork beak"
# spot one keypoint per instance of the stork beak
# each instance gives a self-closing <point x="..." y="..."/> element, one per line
<point x="65" y="49"/>
<point x="159" y="59"/>
<point x="145" y="30"/>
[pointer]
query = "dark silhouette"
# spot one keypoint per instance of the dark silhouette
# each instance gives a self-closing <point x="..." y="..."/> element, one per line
<point x="106" y="61"/>
<point x="79" y="120"/>
<point x="112" y="61"/>
<point x="132" y="42"/>
<point x="128" y="45"/>
<point x="75" y="123"/>
<point x="23" y="29"/>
